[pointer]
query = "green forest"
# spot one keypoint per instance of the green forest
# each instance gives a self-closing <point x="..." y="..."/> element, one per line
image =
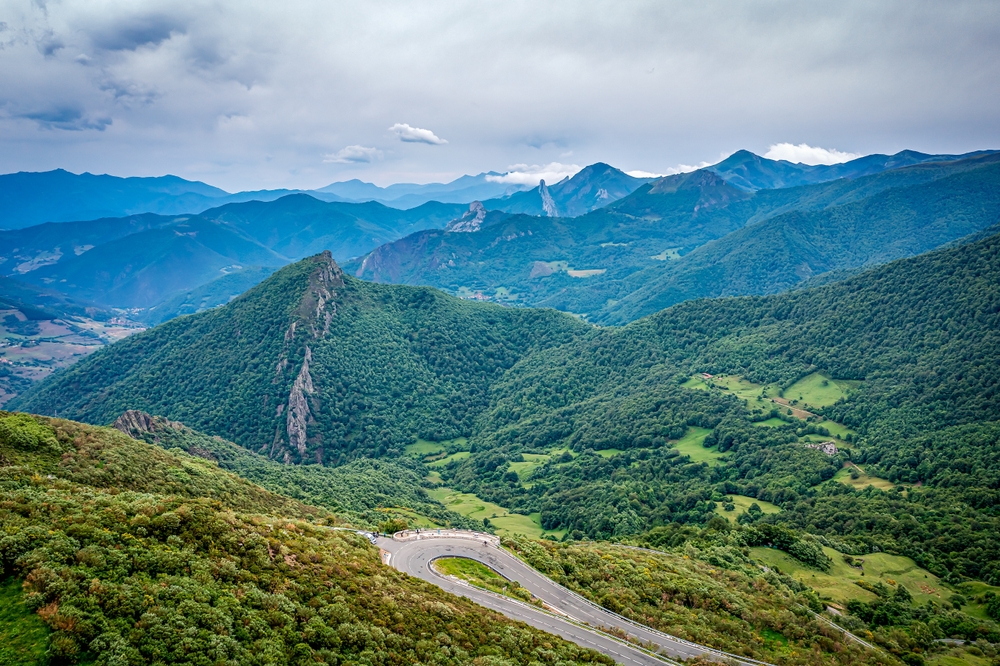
<point x="834" y="426"/>
<point x="127" y="554"/>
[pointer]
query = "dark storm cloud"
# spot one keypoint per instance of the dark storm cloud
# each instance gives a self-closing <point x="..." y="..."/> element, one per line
<point x="66" y="118"/>
<point x="131" y="32"/>
<point x="254" y="94"/>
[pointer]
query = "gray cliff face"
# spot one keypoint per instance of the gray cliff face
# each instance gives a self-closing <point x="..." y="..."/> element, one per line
<point x="471" y="221"/>
<point x="548" y="205"/>
<point x="316" y="310"/>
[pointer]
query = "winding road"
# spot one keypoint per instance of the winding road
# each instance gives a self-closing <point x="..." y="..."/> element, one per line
<point x="569" y="615"/>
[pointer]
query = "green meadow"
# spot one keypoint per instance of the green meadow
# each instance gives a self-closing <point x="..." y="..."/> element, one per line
<point x="504" y="522"/>
<point x="839" y="583"/>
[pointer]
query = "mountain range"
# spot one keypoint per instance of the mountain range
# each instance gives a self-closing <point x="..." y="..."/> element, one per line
<point x="793" y="428"/>
<point x="699" y="229"/>
<point x="142" y="260"/>
<point x="31" y="198"/>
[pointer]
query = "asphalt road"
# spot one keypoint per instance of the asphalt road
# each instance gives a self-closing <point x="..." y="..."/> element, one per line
<point x="415" y="556"/>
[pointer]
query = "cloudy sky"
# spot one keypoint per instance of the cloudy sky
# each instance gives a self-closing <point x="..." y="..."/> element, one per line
<point x="248" y="95"/>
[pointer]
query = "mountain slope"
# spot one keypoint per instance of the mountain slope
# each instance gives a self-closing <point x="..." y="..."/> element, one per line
<point x="365" y="491"/>
<point x="586" y="264"/>
<point x="914" y="346"/>
<point x="313" y="366"/>
<point x="593" y="187"/>
<point x="299" y="225"/>
<point x="135" y="555"/>
<point x="780" y="252"/>
<point x="141" y="269"/>
<point x="139" y="261"/>
<point x="59" y="196"/>
<point x="212" y="294"/>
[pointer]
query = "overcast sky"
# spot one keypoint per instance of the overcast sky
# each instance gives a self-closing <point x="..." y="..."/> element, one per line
<point x="248" y="95"/>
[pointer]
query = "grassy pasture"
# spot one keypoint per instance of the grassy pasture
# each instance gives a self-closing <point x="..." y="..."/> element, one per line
<point x="23" y="634"/>
<point x="819" y="390"/>
<point x="863" y="480"/>
<point x="458" y="455"/>
<point x="607" y="453"/>
<point x="504" y="522"/>
<point x="838" y="584"/>
<point x="532" y="461"/>
<point x="691" y="445"/>
<point x="973" y="589"/>
<point x="743" y="503"/>
<point x="424" y="447"/>
<point x="670" y="254"/>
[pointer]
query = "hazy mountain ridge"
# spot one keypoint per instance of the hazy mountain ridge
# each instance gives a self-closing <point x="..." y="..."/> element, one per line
<point x="591" y="188"/>
<point x="587" y="264"/>
<point x="139" y="261"/>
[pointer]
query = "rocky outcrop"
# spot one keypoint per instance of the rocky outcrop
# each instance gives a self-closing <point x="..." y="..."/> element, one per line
<point x="471" y="221"/>
<point x="133" y="423"/>
<point x="297" y="418"/>
<point x="315" y="312"/>
<point x="548" y="205"/>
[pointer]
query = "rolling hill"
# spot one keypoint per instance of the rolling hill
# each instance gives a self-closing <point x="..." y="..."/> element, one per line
<point x="117" y="551"/>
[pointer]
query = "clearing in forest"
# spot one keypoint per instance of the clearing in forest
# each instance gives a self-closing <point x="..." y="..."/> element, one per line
<point x="504" y="522"/>
<point x="743" y="503"/>
<point x="839" y="584"/>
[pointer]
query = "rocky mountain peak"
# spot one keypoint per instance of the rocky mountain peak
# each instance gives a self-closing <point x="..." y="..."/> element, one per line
<point x="471" y="220"/>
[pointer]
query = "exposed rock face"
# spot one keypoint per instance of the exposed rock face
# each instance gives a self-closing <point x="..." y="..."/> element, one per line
<point x="315" y="312"/>
<point x="133" y="422"/>
<point x="471" y="221"/>
<point x="548" y="205"/>
<point x="298" y="407"/>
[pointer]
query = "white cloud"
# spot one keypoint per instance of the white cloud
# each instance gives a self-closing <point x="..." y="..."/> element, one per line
<point x="353" y="155"/>
<point x="524" y="174"/>
<point x="670" y="171"/>
<point x="806" y="154"/>
<point x="416" y="135"/>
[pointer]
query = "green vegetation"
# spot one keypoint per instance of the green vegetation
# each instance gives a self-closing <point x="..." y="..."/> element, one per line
<point x="733" y="607"/>
<point x="692" y="445"/>
<point x="495" y="516"/>
<point x="368" y="491"/>
<point x="480" y="575"/>
<point x="732" y="506"/>
<point x="856" y="477"/>
<point x="819" y="390"/>
<point x="23" y="634"/>
<point x="851" y="577"/>
<point x="135" y="555"/>
<point x="766" y="241"/>
<point x="427" y="365"/>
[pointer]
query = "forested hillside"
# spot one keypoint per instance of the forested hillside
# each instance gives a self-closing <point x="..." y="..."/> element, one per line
<point x="913" y="344"/>
<point x="313" y="366"/>
<point x="367" y="492"/>
<point x="134" y="555"/>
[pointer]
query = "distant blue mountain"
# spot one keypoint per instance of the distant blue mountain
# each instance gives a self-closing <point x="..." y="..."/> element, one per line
<point x="30" y="198"/>
<point x="591" y="188"/>
<point x="752" y="172"/>
<point x="141" y="260"/>
<point x="408" y="195"/>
